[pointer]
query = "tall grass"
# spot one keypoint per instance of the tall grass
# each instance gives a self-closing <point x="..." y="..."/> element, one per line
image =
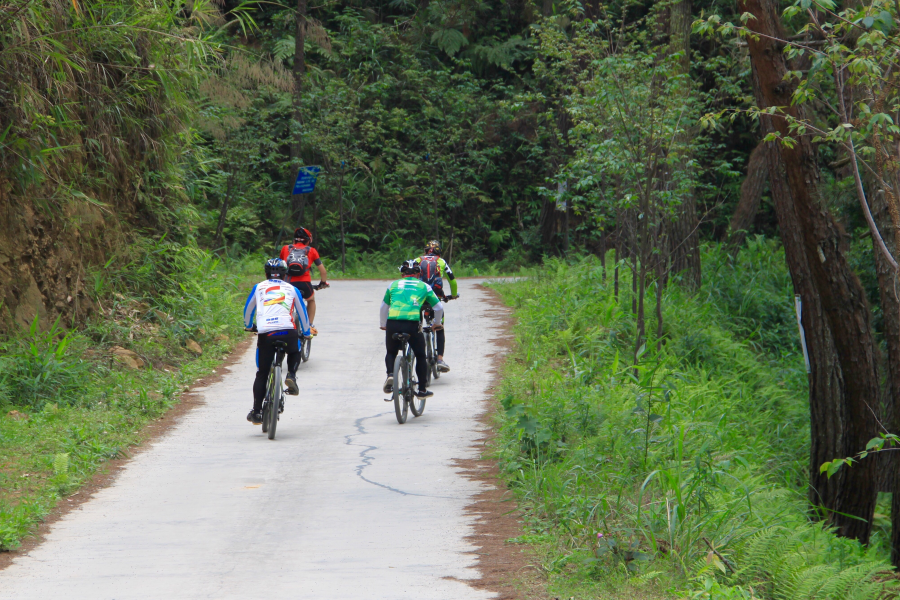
<point x="690" y="464"/>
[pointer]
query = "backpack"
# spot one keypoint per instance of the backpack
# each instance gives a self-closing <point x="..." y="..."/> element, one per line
<point x="430" y="274"/>
<point x="298" y="260"/>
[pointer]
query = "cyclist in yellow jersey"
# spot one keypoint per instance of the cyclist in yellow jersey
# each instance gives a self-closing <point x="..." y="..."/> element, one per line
<point x="433" y="254"/>
<point x="400" y="308"/>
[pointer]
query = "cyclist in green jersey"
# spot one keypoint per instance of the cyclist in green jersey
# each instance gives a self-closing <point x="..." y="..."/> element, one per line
<point x="400" y="314"/>
<point x="433" y="254"/>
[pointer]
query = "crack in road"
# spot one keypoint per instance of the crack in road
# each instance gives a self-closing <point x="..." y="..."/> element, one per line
<point x="367" y="460"/>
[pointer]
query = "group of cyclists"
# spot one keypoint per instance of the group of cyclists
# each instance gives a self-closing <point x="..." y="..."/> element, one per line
<point x="283" y="309"/>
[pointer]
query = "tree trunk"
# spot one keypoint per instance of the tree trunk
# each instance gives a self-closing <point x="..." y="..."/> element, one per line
<point x="836" y="316"/>
<point x="684" y="236"/>
<point x="341" y="211"/>
<point x="223" y="212"/>
<point x="888" y="289"/>
<point x="751" y="195"/>
<point x="298" y="201"/>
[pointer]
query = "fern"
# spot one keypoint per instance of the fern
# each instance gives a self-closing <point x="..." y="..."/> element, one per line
<point x="501" y="54"/>
<point x="792" y="564"/>
<point x="450" y="41"/>
<point x="284" y="48"/>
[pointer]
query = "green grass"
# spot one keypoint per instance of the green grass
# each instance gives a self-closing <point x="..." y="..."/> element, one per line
<point x="683" y="475"/>
<point x="67" y="405"/>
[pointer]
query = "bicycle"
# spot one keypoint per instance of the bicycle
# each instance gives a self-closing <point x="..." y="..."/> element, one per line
<point x="306" y="341"/>
<point x="405" y="382"/>
<point x="273" y="403"/>
<point x="431" y="341"/>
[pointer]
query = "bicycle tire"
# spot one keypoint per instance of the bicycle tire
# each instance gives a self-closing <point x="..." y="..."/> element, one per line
<point x="275" y="403"/>
<point x="305" y="348"/>
<point x="434" y="370"/>
<point x="400" y="403"/>
<point x="429" y="355"/>
<point x="266" y="403"/>
<point x="416" y="404"/>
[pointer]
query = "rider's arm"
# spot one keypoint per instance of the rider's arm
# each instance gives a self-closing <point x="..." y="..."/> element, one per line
<point x="436" y="305"/>
<point x="438" y="312"/>
<point x="385" y="307"/>
<point x="250" y="309"/>
<point x="300" y="307"/>
<point x="450" y="276"/>
<point x="323" y="276"/>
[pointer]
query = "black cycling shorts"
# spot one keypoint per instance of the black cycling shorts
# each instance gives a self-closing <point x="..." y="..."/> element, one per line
<point x="305" y="288"/>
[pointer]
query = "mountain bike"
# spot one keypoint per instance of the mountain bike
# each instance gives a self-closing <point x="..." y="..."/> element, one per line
<point x="431" y="341"/>
<point x="273" y="403"/>
<point x="405" y="382"/>
<point x="306" y="341"/>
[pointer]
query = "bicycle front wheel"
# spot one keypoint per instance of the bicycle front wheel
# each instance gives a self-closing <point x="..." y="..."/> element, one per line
<point x="272" y="418"/>
<point x="400" y="383"/>
<point x="305" y="347"/>
<point x="430" y="357"/>
<point x="416" y="404"/>
<point x="433" y="364"/>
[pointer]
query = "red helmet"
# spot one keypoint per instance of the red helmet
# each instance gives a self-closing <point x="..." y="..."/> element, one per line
<point x="303" y="236"/>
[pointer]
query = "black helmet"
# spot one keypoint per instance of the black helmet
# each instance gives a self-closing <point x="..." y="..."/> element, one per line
<point x="277" y="267"/>
<point x="303" y="235"/>
<point x="410" y="267"/>
<point x="433" y="247"/>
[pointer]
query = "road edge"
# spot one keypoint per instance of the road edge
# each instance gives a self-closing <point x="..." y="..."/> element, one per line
<point x="106" y="475"/>
<point x="505" y="569"/>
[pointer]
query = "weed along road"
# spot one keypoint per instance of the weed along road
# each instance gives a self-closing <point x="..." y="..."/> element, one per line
<point x="344" y="504"/>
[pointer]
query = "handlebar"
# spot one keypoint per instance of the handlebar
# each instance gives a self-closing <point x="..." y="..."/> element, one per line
<point x="321" y="286"/>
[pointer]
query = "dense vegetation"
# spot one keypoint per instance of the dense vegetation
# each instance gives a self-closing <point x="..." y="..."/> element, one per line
<point x="687" y="470"/>
<point x="141" y="142"/>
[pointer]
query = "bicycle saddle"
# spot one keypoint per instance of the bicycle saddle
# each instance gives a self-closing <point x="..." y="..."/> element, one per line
<point x="401" y="336"/>
<point x="279" y="344"/>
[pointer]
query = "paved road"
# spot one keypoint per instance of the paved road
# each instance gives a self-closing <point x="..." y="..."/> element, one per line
<point x="344" y="504"/>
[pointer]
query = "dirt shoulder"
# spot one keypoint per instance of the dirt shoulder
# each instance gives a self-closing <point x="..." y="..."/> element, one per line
<point x="506" y="568"/>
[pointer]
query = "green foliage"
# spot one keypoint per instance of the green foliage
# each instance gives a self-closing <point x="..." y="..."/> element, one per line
<point x="689" y="462"/>
<point x="41" y="367"/>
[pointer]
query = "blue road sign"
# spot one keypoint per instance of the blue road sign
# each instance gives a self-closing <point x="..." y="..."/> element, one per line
<point x="306" y="180"/>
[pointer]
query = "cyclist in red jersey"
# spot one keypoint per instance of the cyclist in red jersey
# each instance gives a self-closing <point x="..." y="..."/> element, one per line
<point x="303" y="283"/>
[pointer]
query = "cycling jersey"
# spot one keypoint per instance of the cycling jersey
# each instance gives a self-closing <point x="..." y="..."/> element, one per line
<point x="403" y="299"/>
<point x="276" y="306"/>
<point x="444" y="269"/>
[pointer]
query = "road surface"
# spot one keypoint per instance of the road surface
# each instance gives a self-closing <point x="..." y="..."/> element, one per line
<point x="344" y="504"/>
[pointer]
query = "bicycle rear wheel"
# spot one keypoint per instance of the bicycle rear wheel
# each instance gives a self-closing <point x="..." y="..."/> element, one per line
<point x="416" y="404"/>
<point x="305" y="347"/>
<point x="400" y="383"/>
<point x="275" y="403"/>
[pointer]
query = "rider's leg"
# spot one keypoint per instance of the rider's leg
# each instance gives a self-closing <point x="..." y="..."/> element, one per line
<point x="311" y="308"/>
<point x="264" y="355"/>
<point x="417" y="342"/>
<point x="293" y="361"/>
<point x="440" y="343"/>
<point x="391" y="345"/>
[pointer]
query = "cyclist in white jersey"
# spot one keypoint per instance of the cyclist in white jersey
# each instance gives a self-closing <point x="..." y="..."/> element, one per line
<point x="277" y="308"/>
